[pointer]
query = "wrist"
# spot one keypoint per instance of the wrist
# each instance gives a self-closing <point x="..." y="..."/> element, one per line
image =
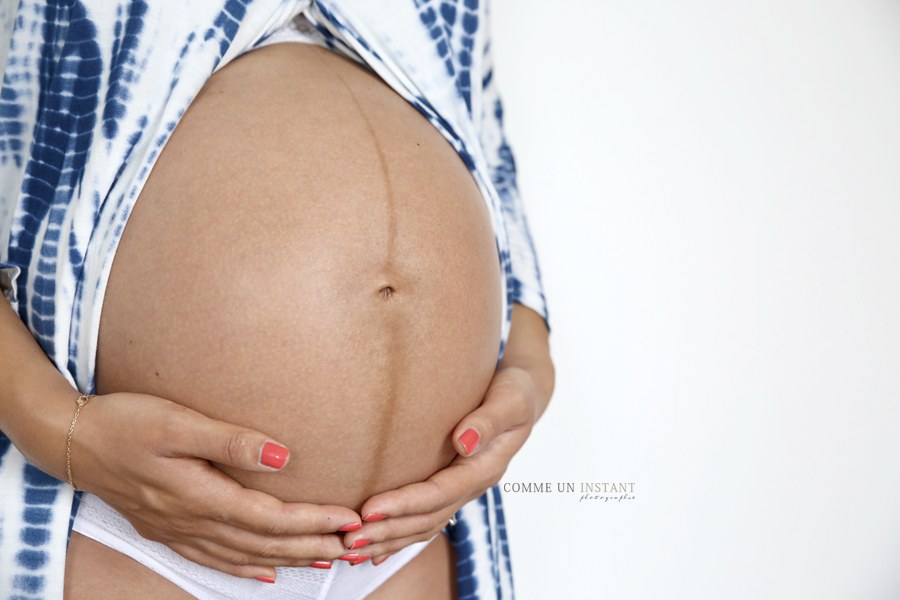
<point x="43" y="409"/>
<point x="528" y="349"/>
<point x="36" y="401"/>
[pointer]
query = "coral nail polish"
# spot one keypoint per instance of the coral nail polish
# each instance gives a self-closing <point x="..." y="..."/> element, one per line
<point x="321" y="564"/>
<point x="380" y="561"/>
<point x="469" y="439"/>
<point x="359" y="544"/>
<point x="349" y="557"/>
<point x="374" y="517"/>
<point x="351" y="527"/>
<point x="362" y="559"/>
<point x="265" y="579"/>
<point x="273" y="455"/>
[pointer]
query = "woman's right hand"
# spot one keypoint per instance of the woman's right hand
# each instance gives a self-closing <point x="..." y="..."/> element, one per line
<point x="149" y="458"/>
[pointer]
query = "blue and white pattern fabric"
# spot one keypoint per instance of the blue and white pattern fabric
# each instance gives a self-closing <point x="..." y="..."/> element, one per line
<point x="91" y="91"/>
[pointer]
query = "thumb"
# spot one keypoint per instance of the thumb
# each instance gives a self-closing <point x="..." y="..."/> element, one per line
<point x="231" y="445"/>
<point x="505" y="407"/>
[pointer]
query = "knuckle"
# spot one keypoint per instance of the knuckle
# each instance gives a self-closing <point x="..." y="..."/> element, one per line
<point x="196" y="507"/>
<point x="235" y="570"/>
<point x="490" y="428"/>
<point x="147" y="500"/>
<point x="291" y="519"/>
<point x="191" y="506"/>
<point x="270" y="549"/>
<point x="425" y="527"/>
<point x="271" y="524"/>
<point x="236" y="446"/>
<point x="487" y="426"/>
<point x="185" y="527"/>
<point x="174" y="429"/>
<point x="329" y="546"/>
<point x="216" y="512"/>
<point x="522" y="407"/>
<point x="270" y="528"/>
<point x="242" y="560"/>
<point x="321" y="547"/>
<point x="299" y="562"/>
<point x="439" y="497"/>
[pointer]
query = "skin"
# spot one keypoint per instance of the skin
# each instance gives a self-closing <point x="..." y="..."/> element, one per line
<point x="163" y="464"/>
<point x="39" y="429"/>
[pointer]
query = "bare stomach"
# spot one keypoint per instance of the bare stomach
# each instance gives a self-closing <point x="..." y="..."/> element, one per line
<point x="309" y="258"/>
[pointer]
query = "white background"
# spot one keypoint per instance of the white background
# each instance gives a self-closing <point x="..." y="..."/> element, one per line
<point x="714" y="191"/>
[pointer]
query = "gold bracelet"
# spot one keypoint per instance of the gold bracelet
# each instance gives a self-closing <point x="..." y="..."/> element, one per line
<point x="81" y="402"/>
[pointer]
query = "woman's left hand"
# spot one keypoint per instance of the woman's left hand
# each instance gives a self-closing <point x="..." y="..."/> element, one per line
<point x="486" y="440"/>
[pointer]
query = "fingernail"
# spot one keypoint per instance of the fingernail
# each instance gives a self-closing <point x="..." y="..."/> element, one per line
<point x="362" y="559"/>
<point x="266" y="579"/>
<point x="349" y="557"/>
<point x="358" y="544"/>
<point x="374" y="517"/>
<point x="351" y="527"/>
<point x="321" y="564"/>
<point x="273" y="455"/>
<point x="469" y="440"/>
<point x="380" y="561"/>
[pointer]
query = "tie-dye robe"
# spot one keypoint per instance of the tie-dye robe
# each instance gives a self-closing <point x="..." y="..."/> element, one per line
<point x="91" y="91"/>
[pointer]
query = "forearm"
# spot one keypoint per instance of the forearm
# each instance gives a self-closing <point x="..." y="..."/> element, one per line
<point x="36" y="401"/>
<point x="528" y="348"/>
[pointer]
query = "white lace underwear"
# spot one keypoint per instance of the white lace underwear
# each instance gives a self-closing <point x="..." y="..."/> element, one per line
<point x="98" y="521"/>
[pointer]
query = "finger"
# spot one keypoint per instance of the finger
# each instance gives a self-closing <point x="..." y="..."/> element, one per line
<point x="201" y="558"/>
<point x="401" y="528"/>
<point x="439" y="491"/>
<point x="195" y="435"/>
<point x="245" y="549"/>
<point x="465" y="478"/>
<point x="507" y="404"/>
<point x="392" y="546"/>
<point x="263" y="514"/>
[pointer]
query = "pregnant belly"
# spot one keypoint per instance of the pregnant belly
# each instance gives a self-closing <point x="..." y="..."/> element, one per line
<point x="309" y="258"/>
